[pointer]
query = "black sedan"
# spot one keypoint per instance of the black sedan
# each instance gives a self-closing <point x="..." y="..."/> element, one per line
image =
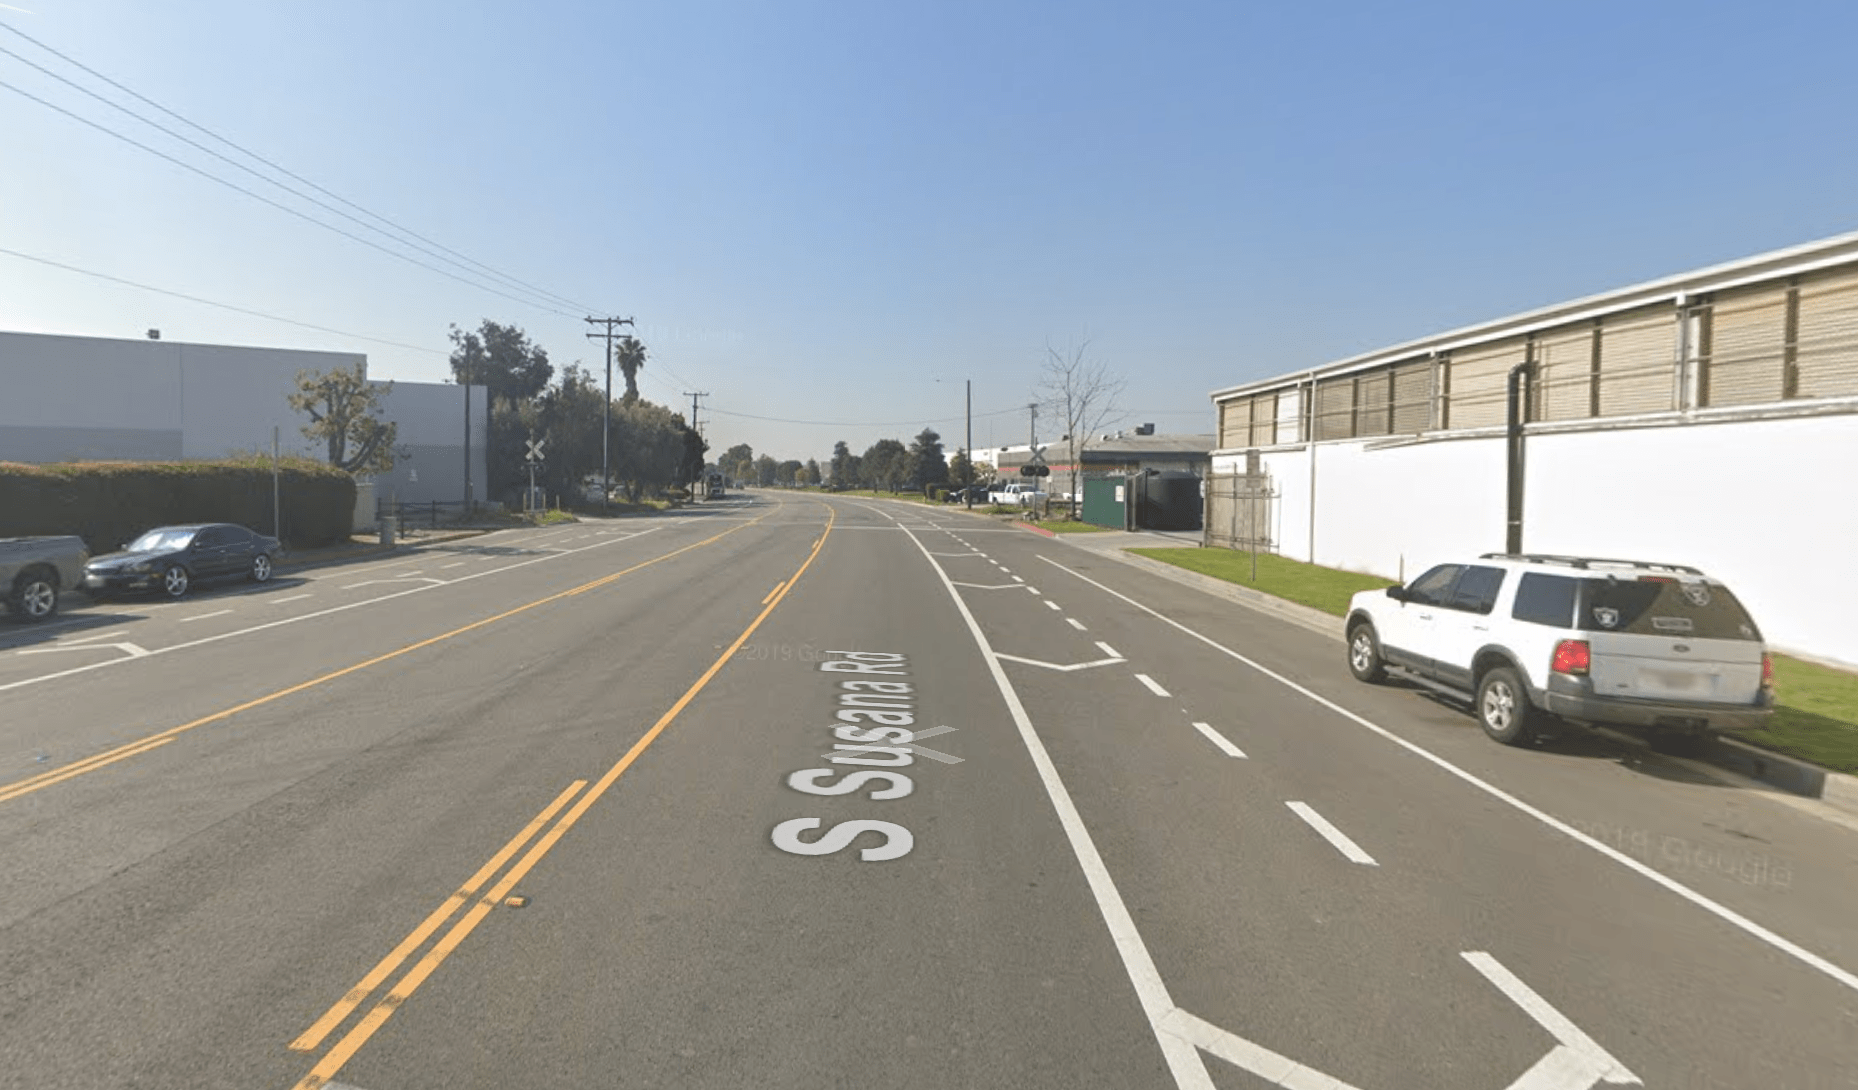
<point x="172" y="558"/>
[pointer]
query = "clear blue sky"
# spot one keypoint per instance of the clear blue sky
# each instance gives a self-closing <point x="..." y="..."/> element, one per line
<point x="815" y="210"/>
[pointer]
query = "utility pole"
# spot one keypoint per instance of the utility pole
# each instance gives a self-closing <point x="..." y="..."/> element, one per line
<point x="606" y="420"/>
<point x="693" y="410"/>
<point x="1032" y="427"/>
<point x="693" y="425"/>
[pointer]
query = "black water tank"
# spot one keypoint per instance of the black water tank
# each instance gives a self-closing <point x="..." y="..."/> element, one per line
<point x="1170" y="500"/>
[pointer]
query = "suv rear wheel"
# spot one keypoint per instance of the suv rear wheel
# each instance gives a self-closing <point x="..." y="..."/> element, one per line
<point x="1503" y="708"/>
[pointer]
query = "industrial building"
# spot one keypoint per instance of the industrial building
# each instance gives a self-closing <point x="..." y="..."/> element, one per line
<point x="110" y="399"/>
<point x="1708" y="418"/>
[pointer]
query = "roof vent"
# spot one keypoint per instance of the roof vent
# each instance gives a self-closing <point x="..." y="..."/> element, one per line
<point x="1145" y="429"/>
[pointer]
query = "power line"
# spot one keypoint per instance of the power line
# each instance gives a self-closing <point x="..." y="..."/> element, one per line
<point x="281" y="207"/>
<point x="863" y="424"/>
<point x="254" y="155"/>
<point x="211" y="303"/>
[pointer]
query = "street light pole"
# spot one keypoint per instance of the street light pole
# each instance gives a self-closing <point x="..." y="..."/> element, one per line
<point x="967" y="454"/>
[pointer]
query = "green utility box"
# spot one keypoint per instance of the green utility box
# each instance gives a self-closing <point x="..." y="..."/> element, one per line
<point x="1106" y="502"/>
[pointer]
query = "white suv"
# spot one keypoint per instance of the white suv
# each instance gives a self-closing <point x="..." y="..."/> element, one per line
<point x="1655" y="647"/>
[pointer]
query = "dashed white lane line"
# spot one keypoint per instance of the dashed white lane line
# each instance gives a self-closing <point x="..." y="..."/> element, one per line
<point x="1332" y="834"/>
<point x="1033" y="589"/>
<point x="292" y="598"/>
<point x="1074" y="623"/>
<point x="1017" y="578"/>
<point x="453" y="564"/>
<point x="1219" y="740"/>
<point x="1049" y="604"/>
<point x="1843" y="976"/>
<point x="1113" y="653"/>
<point x="1005" y="569"/>
<point x="1153" y="686"/>
<point x="204" y="616"/>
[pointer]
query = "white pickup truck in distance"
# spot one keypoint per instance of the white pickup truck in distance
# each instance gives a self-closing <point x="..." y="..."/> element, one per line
<point x="34" y="570"/>
<point x="1017" y="495"/>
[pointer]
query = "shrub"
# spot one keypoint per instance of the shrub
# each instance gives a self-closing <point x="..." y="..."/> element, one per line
<point x="108" y="503"/>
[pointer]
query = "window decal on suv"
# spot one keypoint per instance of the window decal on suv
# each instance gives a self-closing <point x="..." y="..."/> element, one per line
<point x="1698" y="593"/>
<point x="1674" y="624"/>
<point x="1606" y="618"/>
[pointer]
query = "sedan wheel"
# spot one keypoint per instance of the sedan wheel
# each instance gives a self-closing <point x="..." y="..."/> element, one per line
<point x="261" y="568"/>
<point x="175" y="580"/>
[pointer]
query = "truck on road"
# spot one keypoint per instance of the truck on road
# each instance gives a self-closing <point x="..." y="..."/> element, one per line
<point x="34" y="571"/>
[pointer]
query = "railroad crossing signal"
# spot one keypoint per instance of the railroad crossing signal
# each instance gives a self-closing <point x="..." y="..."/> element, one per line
<point x="535" y="448"/>
<point x="1035" y="471"/>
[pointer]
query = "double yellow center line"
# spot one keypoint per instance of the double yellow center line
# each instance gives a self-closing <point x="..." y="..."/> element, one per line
<point x="344" y="1049"/>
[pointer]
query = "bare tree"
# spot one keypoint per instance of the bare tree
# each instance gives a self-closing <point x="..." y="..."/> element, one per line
<point x="1081" y="393"/>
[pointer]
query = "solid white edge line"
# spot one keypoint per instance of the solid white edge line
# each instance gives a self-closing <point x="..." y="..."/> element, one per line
<point x="1153" y="685"/>
<point x="1183" y="1058"/>
<point x="1727" y="915"/>
<point x="1333" y="835"/>
<point x="1075" y="623"/>
<point x="1219" y="740"/>
<point x="320" y="613"/>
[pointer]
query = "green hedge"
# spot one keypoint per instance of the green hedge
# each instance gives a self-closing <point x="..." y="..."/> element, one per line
<point x="109" y="503"/>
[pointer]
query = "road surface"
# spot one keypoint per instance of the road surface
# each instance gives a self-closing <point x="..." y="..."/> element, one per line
<point x="631" y="803"/>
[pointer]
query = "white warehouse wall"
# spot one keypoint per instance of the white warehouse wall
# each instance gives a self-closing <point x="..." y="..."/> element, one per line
<point x="98" y="398"/>
<point x="1768" y="506"/>
<point x="431" y="438"/>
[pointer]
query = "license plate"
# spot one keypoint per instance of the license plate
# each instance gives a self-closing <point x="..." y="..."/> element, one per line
<point x="1673" y="679"/>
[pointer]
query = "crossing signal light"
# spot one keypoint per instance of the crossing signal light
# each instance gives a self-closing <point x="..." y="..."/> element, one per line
<point x="1035" y="471"/>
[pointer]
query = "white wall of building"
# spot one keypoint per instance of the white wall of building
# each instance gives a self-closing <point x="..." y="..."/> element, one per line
<point x="112" y="399"/>
<point x="97" y="398"/>
<point x="431" y="437"/>
<point x="1768" y="506"/>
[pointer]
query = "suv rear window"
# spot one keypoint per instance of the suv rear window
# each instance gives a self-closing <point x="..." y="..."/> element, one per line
<point x="1545" y="599"/>
<point x="1665" y="607"/>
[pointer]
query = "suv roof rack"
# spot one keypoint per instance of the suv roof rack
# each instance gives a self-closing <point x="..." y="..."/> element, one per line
<point x="1589" y="562"/>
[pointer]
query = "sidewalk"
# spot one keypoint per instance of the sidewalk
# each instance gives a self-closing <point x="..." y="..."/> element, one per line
<point x="1729" y="760"/>
<point x="364" y="546"/>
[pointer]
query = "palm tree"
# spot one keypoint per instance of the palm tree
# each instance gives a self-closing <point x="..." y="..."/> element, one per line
<point x="630" y="355"/>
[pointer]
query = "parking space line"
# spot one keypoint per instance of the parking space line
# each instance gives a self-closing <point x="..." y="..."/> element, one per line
<point x="204" y="616"/>
<point x="1333" y="835"/>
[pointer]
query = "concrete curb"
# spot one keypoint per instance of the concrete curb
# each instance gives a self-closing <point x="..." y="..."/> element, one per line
<point x="1789" y="774"/>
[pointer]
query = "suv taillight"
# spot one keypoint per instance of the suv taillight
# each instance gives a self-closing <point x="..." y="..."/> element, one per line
<point x="1572" y="657"/>
<point x="1767" y="673"/>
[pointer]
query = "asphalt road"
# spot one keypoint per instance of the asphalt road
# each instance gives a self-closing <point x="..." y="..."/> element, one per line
<point x="610" y="805"/>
